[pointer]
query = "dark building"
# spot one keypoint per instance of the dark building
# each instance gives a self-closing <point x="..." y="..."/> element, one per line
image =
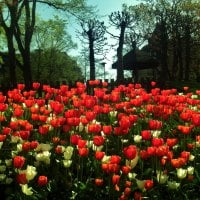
<point x="140" y="62"/>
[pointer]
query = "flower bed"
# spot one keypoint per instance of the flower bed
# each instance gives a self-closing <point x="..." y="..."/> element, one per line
<point x="119" y="144"/>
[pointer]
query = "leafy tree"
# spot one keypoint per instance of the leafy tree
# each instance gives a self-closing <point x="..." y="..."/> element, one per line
<point x="15" y="9"/>
<point x="50" y="36"/>
<point x="65" y="67"/>
<point x="176" y="25"/>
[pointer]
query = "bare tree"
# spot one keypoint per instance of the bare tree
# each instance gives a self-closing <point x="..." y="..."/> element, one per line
<point x="122" y="21"/>
<point x="93" y="32"/>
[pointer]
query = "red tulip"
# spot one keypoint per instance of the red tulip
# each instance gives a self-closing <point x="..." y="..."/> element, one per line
<point x="24" y="134"/>
<point x="83" y="151"/>
<point x="185" y="155"/>
<point x="44" y="129"/>
<point x="185" y="116"/>
<point x="185" y="88"/>
<point x="98" y="181"/>
<point x="196" y="119"/>
<point x="177" y="163"/>
<point x="21" y="178"/>
<point x="115" y="159"/>
<point x="127" y="191"/>
<point x="3" y="107"/>
<point x="2" y="98"/>
<point x="82" y="143"/>
<point x="94" y="128"/>
<point x="155" y="124"/>
<point x="107" y="129"/>
<point x="29" y="102"/>
<point x="151" y="151"/>
<point x="6" y="130"/>
<point x="18" y="112"/>
<point x="171" y="142"/>
<point x="130" y="152"/>
<point x="113" y="168"/>
<point x="99" y="155"/>
<point x="34" y="144"/>
<point x="74" y="139"/>
<point x="55" y="123"/>
<point x="156" y="142"/>
<point x="98" y="140"/>
<point x="18" y="161"/>
<point x="26" y="146"/>
<point x="184" y="129"/>
<point x="153" y="83"/>
<point x="115" y="179"/>
<point x="146" y="134"/>
<point x="36" y="85"/>
<point x="90" y="115"/>
<point x="137" y="195"/>
<point x="20" y="86"/>
<point x="2" y="137"/>
<point x="144" y="154"/>
<point x="124" y="122"/>
<point x="148" y="184"/>
<point x="125" y="169"/>
<point x="42" y="180"/>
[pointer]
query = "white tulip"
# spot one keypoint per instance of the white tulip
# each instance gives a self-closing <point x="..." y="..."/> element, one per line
<point x="181" y="173"/>
<point x="67" y="163"/>
<point x="30" y="172"/>
<point x="137" y="138"/>
<point x="26" y="190"/>
<point x="173" y="185"/>
<point x="190" y="170"/>
<point x="161" y="177"/>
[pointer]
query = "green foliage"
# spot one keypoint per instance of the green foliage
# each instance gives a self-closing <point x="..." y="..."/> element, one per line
<point x="52" y="33"/>
<point x="52" y="65"/>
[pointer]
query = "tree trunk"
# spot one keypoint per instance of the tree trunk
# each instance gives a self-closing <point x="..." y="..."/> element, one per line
<point x="175" y="60"/>
<point x="27" y="74"/>
<point x="12" y="59"/>
<point x="91" y="58"/>
<point x="164" y="47"/>
<point x="187" y="52"/>
<point x="180" y="58"/>
<point x="120" y="70"/>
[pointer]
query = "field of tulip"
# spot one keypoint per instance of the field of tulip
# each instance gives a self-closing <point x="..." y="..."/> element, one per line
<point x="97" y="143"/>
